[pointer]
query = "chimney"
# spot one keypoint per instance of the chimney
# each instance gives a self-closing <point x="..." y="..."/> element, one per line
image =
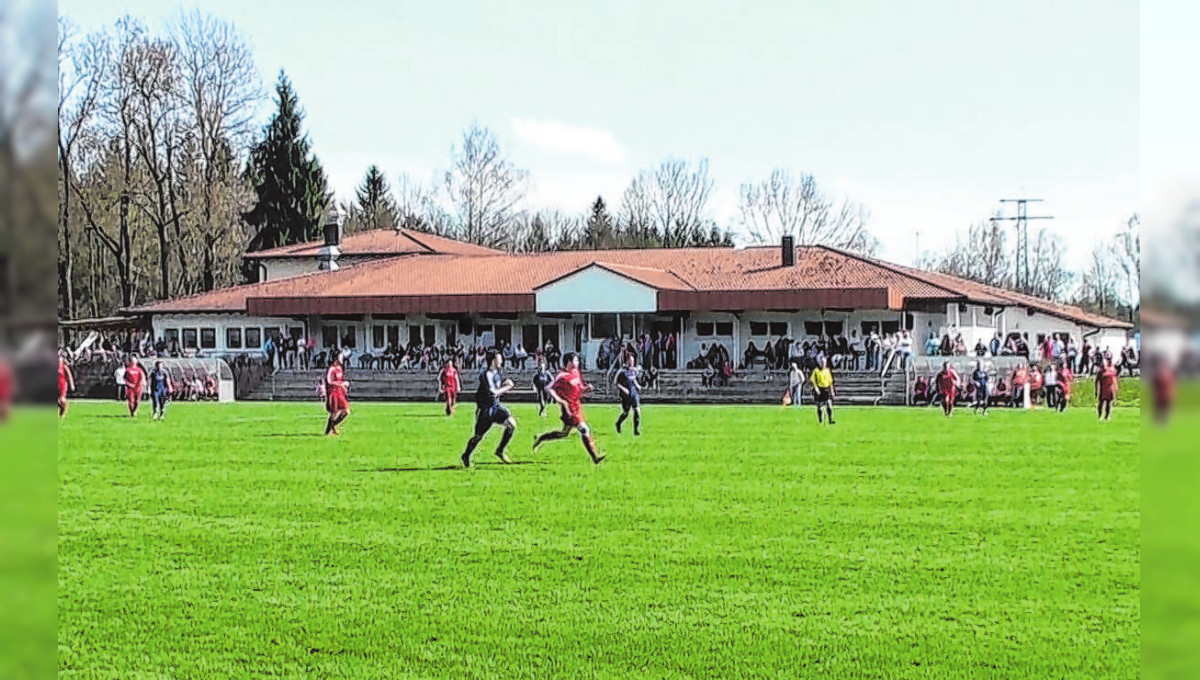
<point x="327" y="257"/>
<point x="789" y="251"/>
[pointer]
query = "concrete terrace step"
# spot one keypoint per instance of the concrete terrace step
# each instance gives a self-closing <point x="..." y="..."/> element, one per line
<point x="672" y="387"/>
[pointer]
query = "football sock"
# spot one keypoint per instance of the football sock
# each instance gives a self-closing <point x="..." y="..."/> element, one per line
<point x="590" y="446"/>
<point x="621" y="419"/>
<point x="556" y="434"/>
<point x="508" y="435"/>
<point x="637" y="423"/>
<point x="471" y="444"/>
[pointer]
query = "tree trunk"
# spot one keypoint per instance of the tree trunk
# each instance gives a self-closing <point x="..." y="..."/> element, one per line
<point x="66" y="271"/>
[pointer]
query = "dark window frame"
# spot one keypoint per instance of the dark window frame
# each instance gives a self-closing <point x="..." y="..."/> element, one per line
<point x="233" y="338"/>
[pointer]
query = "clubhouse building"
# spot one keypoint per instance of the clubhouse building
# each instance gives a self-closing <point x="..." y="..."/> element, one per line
<point x="391" y="287"/>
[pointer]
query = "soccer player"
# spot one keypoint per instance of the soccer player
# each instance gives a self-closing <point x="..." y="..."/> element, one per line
<point x="822" y="382"/>
<point x="450" y="385"/>
<point x="1065" y="378"/>
<point x="135" y="385"/>
<point x="160" y="388"/>
<point x="1050" y="384"/>
<point x="66" y="381"/>
<point x="980" y="378"/>
<point x="567" y="390"/>
<point x="542" y="380"/>
<point x="946" y="383"/>
<point x="1163" y="382"/>
<point x="631" y="398"/>
<point x="488" y="409"/>
<point x="1020" y="384"/>
<point x="1106" y="390"/>
<point x="7" y="388"/>
<point x="337" y="399"/>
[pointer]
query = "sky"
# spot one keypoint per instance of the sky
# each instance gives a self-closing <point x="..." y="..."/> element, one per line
<point x="927" y="112"/>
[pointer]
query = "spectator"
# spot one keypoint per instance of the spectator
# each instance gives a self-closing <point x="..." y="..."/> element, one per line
<point x="1050" y="384"/>
<point x="960" y="346"/>
<point x="980" y="349"/>
<point x="995" y="345"/>
<point x="905" y="347"/>
<point x="519" y="356"/>
<point x="119" y="375"/>
<point x="795" y="384"/>
<point x="931" y="345"/>
<point x="856" y="350"/>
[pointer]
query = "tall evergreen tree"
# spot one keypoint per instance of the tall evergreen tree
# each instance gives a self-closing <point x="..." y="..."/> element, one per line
<point x="289" y="183"/>
<point x="599" y="231"/>
<point x="375" y="207"/>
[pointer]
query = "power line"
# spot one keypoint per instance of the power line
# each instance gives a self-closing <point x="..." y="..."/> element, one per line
<point x="1022" y="219"/>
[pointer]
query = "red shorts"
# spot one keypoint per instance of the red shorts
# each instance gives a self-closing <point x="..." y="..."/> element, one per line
<point x="1106" y="395"/>
<point x="134" y="397"/>
<point x="336" y="400"/>
<point x="949" y="395"/>
<point x="62" y="389"/>
<point x="449" y="393"/>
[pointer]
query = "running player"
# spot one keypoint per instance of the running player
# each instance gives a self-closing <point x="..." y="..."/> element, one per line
<point x="631" y="398"/>
<point x="488" y="409"/>
<point x="7" y="388"/>
<point x="946" y="383"/>
<point x="822" y="382"/>
<point x="66" y="381"/>
<point x="449" y="385"/>
<point x="542" y="380"/>
<point x="135" y="385"/>
<point x="1106" y="389"/>
<point x="980" y="379"/>
<point x="160" y="389"/>
<point x="337" y="394"/>
<point x="567" y="390"/>
<point x="1065" y="378"/>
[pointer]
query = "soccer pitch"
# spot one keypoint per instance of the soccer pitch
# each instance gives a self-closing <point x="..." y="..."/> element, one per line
<point x="725" y="542"/>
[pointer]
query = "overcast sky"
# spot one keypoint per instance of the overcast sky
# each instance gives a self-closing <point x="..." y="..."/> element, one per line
<point x="928" y="112"/>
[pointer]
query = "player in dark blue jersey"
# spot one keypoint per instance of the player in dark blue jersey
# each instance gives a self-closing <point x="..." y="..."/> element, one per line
<point x="488" y="409"/>
<point x="160" y="389"/>
<point x="980" y="379"/>
<point x="541" y="380"/>
<point x="631" y="397"/>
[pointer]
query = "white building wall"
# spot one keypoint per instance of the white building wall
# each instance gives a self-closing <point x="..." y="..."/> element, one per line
<point x="276" y="268"/>
<point x="220" y="323"/>
<point x="596" y="290"/>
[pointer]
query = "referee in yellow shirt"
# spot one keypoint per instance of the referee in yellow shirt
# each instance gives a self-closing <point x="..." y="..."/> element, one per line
<point x="822" y="382"/>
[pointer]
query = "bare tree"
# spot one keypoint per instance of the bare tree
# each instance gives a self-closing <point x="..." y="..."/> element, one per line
<point x="221" y="90"/>
<point x="980" y="254"/>
<point x="788" y="205"/>
<point x="546" y="230"/>
<point x="1101" y="280"/>
<point x="1127" y="250"/>
<point x="485" y="189"/>
<point x="82" y="65"/>
<point x="671" y="201"/>
<point x="418" y="207"/>
<point x="1049" y="277"/>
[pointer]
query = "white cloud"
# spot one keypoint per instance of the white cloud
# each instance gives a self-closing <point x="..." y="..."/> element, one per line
<point x="555" y="136"/>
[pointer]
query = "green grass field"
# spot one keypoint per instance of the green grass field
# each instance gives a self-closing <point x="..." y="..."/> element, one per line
<point x="726" y="542"/>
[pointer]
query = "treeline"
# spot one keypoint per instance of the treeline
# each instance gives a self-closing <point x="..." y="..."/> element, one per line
<point x="1108" y="284"/>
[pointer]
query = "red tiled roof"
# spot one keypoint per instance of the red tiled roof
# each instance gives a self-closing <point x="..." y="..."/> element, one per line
<point x="381" y="242"/>
<point x="497" y="281"/>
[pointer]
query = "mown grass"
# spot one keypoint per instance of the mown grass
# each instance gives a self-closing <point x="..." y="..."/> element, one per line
<point x="726" y="542"/>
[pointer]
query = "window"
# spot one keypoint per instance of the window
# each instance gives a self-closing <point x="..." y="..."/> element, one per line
<point x="296" y="332"/>
<point x="350" y="337"/>
<point x="779" y="328"/>
<point x="171" y="335"/>
<point x="909" y="322"/>
<point x="430" y="335"/>
<point x="208" y="338"/>
<point x="253" y="338"/>
<point x="869" y="327"/>
<point x="833" y="328"/>
<point x="604" y="325"/>
<point x="890" y="327"/>
<point x="393" y="335"/>
<point x="414" y="335"/>
<point x="704" y="329"/>
<point x="233" y="338"/>
<point x="377" y="335"/>
<point x="503" y="334"/>
<point x="758" y="328"/>
<point x="529" y="337"/>
<point x="725" y="329"/>
<point x="550" y="334"/>
<point x="451" y="334"/>
<point x="189" y="338"/>
<point x="813" y="328"/>
<point x="329" y="336"/>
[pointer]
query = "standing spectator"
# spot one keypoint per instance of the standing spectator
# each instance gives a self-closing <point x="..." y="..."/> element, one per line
<point x="931" y="345"/>
<point x="119" y="374"/>
<point x="1050" y="385"/>
<point x="856" y="350"/>
<point x="1072" y="351"/>
<point x="905" y="348"/>
<point x="269" y="350"/>
<point x="980" y="349"/>
<point x="1085" y="358"/>
<point x="795" y="385"/>
<point x="995" y="345"/>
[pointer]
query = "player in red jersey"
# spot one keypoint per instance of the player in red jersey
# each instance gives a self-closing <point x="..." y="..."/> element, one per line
<point x="449" y="385"/>
<point x="7" y="388"/>
<point x="1065" y="378"/>
<point x="946" y="383"/>
<point x="337" y="400"/>
<point x="567" y="390"/>
<point x="66" y="381"/>
<point x="1106" y="389"/>
<point x="1163" y="382"/>
<point x="135" y="385"/>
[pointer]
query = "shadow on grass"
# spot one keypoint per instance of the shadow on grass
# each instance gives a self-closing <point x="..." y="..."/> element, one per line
<point x="293" y="435"/>
<point x="476" y="466"/>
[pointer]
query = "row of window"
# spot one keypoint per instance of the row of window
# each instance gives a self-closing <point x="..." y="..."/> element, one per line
<point x="775" y="329"/>
<point x="206" y="337"/>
